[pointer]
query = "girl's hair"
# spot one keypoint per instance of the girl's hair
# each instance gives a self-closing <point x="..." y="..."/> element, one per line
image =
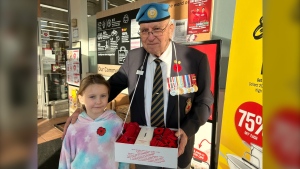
<point x="89" y="80"/>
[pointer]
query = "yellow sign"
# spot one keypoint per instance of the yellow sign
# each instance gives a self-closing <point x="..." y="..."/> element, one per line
<point x="241" y="132"/>
<point x="282" y="86"/>
<point x="108" y="70"/>
<point x="72" y="96"/>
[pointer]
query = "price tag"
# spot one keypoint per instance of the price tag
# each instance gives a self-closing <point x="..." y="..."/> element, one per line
<point x="248" y="122"/>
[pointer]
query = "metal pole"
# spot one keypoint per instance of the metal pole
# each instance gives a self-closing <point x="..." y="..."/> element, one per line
<point x="104" y="5"/>
<point x="49" y="116"/>
<point x="69" y="23"/>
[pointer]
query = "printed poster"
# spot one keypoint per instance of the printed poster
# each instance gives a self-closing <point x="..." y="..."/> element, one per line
<point x="180" y="30"/>
<point x="202" y="147"/>
<point x="73" y="68"/>
<point x="242" y="123"/>
<point x="72" y="96"/>
<point x="199" y="17"/>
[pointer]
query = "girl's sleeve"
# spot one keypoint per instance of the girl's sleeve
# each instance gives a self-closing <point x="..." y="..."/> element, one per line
<point x="123" y="165"/>
<point x="65" y="154"/>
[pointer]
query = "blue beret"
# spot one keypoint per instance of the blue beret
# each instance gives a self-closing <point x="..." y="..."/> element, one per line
<point x="153" y="12"/>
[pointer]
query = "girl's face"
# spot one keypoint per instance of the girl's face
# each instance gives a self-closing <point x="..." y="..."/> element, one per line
<point x="95" y="99"/>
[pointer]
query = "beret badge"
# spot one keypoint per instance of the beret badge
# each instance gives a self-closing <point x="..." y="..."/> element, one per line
<point x="152" y="13"/>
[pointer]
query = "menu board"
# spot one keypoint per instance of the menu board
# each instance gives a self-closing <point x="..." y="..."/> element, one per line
<point x="116" y="35"/>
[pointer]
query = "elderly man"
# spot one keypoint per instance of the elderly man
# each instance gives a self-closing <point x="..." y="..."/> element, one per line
<point x="168" y="83"/>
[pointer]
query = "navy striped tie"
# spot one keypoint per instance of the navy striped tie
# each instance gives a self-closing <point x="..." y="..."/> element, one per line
<point x="157" y="106"/>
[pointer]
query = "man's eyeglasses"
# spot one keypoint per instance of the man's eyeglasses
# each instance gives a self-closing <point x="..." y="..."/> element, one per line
<point x="155" y="32"/>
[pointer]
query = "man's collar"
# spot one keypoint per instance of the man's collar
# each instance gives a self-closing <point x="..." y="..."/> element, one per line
<point x="164" y="56"/>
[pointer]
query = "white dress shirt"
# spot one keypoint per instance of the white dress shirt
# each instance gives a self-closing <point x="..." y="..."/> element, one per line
<point x="166" y="64"/>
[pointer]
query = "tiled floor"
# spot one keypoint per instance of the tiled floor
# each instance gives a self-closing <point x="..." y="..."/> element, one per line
<point x="47" y="131"/>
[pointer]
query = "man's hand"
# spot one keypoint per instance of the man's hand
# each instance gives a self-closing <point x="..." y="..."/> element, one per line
<point x="72" y="119"/>
<point x="182" y="142"/>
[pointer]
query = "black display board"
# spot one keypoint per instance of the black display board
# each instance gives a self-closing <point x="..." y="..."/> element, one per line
<point x="212" y="48"/>
<point x="114" y="36"/>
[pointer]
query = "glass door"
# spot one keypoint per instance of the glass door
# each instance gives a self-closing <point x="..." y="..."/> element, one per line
<point x="53" y="41"/>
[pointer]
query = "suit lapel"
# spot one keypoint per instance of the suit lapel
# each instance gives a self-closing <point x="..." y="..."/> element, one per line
<point x="172" y="99"/>
<point x="139" y="94"/>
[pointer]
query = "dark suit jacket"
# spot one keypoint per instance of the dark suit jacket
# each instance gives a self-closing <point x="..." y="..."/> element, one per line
<point x="192" y="62"/>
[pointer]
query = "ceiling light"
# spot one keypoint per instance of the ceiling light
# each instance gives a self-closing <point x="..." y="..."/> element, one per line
<point x="59" y="39"/>
<point x="53" y="7"/>
<point x="59" y="23"/>
<point x="54" y="27"/>
<point x="58" y="36"/>
<point x="49" y="30"/>
<point x="88" y="15"/>
<point x="130" y="0"/>
<point x="54" y="31"/>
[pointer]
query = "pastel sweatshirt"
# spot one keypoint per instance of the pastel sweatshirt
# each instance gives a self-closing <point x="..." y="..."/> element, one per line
<point x="89" y="144"/>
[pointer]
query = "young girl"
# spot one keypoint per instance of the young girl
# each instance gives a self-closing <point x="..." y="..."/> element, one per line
<point x="89" y="143"/>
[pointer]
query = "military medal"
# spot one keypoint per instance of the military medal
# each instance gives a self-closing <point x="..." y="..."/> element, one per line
<point x="185" y="91"/>
<point x="188" y="83"/>
<point x="192" y="90"/>
<point x="180" y="84"/>
<point x="181" y="91"/>
<point x="168" y="83"/>
<point x="173" y="91"/>
<point x="194" y="82"/>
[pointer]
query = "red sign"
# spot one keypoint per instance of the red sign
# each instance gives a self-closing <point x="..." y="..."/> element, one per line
<point x="284" y="137"/>
<point x="248" y="122"/>
<point x="211" y="51"/>
<point x="199" y="155"/>
<point x="199" y="16"/>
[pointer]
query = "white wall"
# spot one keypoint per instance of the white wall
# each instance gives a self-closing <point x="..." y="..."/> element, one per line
<point x="222" y="29"/>
<point x="223" y="18"/>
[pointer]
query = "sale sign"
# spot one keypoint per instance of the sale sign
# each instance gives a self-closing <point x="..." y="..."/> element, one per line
<point x="248" y="122"/>
<point x="242" y="123"/>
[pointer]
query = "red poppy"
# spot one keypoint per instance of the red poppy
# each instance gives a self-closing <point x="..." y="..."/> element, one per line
<point x="101" y="131"/>
<point x="164" y="137"/>
<point x="158" y="131"/>
<point x="130" y="133"/>
<point x="177" y="67"/>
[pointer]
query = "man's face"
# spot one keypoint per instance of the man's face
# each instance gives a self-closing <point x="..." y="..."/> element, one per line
<point x="156" y="45"/>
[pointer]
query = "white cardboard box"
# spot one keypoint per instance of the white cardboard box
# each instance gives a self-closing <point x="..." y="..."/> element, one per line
<point x="146" y="155"/>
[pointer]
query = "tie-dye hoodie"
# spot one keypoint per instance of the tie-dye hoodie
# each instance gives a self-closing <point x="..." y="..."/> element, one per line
<point x="89" y="144"/>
